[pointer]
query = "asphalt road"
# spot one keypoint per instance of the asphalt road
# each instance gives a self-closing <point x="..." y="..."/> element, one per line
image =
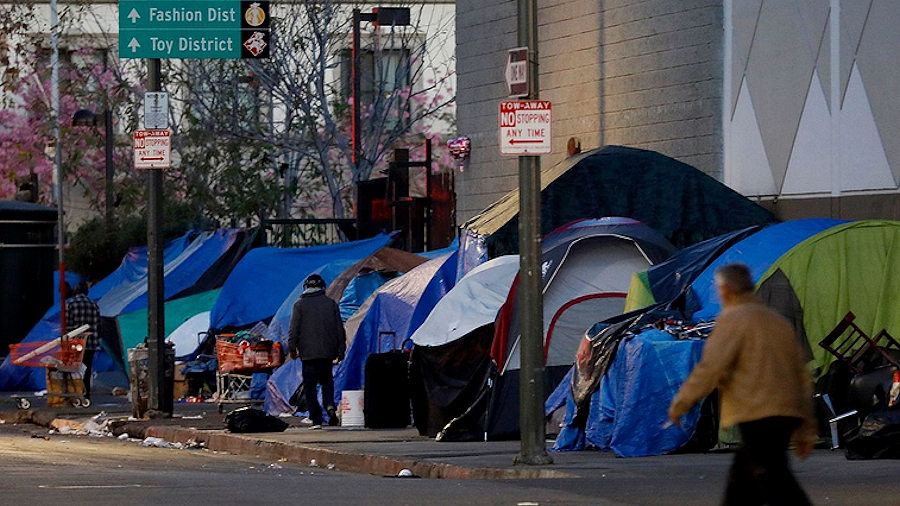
<point x="39" y="469"/>
<point x="92" y="471"/>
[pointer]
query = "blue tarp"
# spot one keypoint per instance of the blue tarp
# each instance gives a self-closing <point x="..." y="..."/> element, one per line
<point x="668" y="279"/>
<point x="265" y="277"/>
<point x="359" y="289"/>
<point x="629" y="410"/>
<point x="399" y="308"/>
<point x="758" y="252"/>
<point x="186" y="259"/>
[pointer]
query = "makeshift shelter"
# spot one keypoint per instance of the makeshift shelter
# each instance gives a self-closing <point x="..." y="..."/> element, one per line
<point x="133" y="326"/>
<point x="353" y="286"/>
<point x="666" y="281"/>
<point x="587" y="266"/>
<point x="187" y="260"/>
<point x="854" y="267"/>
<point x="758" y="252"/>
<point x="620" y="408"/>
<point x="682" y="203"/>
<point x="265" y="277"/>
<point x="452" y="347"/>
<point x="383" y="323"/>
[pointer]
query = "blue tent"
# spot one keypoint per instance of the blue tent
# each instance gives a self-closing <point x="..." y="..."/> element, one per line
<point x="397" y="309"/>
<point x="758" y="252"/>
<point x="265" y="277"/>
<point x="186" y="260"/>
<point x="629" y="411"/>
<point x="359" y="289"/>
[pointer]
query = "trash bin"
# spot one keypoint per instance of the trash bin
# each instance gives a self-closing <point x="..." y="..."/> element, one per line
<point x="139" y="379"/>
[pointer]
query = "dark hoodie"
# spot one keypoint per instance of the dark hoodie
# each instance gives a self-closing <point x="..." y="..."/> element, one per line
<point x="316" y="331"/>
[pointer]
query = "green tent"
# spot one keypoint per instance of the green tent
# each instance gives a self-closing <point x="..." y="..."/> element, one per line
<point x="852" y="267"/>
<point x="133" y="326"/>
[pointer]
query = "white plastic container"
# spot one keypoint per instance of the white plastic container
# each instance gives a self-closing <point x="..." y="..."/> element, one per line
<point x="352" y="408"/>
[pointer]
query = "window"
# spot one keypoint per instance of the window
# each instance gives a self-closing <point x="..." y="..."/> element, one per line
<point x="384" y="75"/>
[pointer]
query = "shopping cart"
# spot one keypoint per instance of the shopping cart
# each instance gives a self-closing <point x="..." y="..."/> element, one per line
<point x="62" y="358"/>
<point x="238" y="362"/>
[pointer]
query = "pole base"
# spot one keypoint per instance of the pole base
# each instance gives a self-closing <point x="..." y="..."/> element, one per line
<point x="539" y="459"/>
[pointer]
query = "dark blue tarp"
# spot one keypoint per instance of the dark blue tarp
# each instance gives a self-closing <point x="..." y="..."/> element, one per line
<point x="630" y="409"/>
<point x="758" y="252"/>
<point x="399" y="308"/>
<point x="186" y="259"/>
<point x="265" y="277"/>
<point x="669" y="279"/>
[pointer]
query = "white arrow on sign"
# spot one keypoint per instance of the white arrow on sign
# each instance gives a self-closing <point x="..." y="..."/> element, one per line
<point x="133" y="16"/>
<point x="134" y="45"/>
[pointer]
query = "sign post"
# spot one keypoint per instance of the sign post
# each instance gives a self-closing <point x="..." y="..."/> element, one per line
<point x="531" y="124"/>
<point x="154" y="29"/>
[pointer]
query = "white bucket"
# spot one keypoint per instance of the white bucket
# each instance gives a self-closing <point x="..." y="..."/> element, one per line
<point x="352" y="408"/>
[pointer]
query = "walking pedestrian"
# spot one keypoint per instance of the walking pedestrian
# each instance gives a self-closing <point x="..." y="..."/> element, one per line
<point x="81" y="310"/>
<point x="316" y="336"/>
<point x="754" y="359"/>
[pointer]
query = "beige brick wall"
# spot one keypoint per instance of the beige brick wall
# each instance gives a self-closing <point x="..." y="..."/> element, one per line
<point x="642" y="73"/>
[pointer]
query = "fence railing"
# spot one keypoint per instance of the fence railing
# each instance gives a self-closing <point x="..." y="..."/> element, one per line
<point x="301" y="232"/>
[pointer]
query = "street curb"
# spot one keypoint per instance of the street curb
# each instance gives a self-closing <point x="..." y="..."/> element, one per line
<point x="341" y="461"/>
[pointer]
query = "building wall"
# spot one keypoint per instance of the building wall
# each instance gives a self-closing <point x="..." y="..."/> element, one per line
<point x="638" y="73"/>
<point x="812" y="123"/>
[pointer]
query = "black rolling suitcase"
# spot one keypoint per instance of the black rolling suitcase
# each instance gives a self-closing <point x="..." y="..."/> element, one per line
<point x="386" y="399"/>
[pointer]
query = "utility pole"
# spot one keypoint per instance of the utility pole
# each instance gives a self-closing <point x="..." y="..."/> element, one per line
<point x="160" y="398"/>
<point x="531" y="375"/>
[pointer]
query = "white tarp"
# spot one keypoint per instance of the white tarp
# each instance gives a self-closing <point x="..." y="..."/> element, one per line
<point x="472" y="303"/>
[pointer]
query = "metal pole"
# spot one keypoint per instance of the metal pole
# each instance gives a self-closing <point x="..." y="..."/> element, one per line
<point x="428" y="202"/>
<point x="354" y="76"/>
<point x="107" y="117"/>
<point x="531" y="375"/>
<point x="57" y="162"/>
<point x="160" y="398"/>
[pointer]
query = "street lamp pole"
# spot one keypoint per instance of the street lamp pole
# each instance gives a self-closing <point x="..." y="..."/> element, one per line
<point x="57" y="161"/>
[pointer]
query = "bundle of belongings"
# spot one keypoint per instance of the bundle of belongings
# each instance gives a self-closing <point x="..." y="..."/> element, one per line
<point x="862" y="391"/>
<point x="247" y="351"/>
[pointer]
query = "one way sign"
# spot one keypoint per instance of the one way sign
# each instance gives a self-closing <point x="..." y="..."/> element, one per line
<point x="525" y="127"/>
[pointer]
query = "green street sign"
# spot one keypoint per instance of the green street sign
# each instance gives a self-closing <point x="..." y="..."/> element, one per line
<point x="193" y="29"/>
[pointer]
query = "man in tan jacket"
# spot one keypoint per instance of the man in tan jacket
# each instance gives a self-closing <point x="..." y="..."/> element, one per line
<point x="755" y="361"/>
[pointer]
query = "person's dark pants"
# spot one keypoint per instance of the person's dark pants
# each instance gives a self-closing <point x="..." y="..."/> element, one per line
<point x="760" y="473"/>
<point x="318" y="372"/>
<point x="88" y="361"/>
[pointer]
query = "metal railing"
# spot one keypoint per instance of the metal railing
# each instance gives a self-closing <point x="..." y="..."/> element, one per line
<point x="301" y="232"/>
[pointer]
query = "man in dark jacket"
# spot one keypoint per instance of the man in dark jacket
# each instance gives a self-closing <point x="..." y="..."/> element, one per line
<point x="317" y="338"/>
<point x="81" y="310"/>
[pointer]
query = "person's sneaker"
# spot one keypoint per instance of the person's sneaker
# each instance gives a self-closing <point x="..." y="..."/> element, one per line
<point x="316" y="426"/>
<point x="333" y="420"/>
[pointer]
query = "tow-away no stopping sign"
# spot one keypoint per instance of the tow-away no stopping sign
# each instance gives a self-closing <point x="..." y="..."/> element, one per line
<point x="525" y="127"/>
<point x="152" y="149"/>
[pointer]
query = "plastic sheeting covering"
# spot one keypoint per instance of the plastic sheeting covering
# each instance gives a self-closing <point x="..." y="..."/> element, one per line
<point x="630" y="409"/>
<point x="186" y="337"/>
<point x="684" y="204"/>
<point x="758" y="252"/>
<point x="280" y="325"/>
<point x="471" y="304"/>
<point x="186" y="259"/>
<point x="360" y="289"/>
<point x="266" y="277"/>
<point x="390" y="318"/>
<point x="133" y="326"/>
